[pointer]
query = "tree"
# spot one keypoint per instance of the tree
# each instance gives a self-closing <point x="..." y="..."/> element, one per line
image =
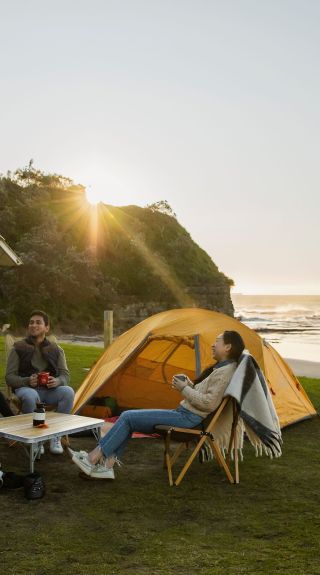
<point x="163" y="207"/>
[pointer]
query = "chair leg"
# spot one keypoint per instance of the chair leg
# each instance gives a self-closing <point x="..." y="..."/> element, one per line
<point x="168" y="458"/>
<point x="177" y="452"/>
<point x="221" y="460"/>
<point x="218" y="455"/>
<point x="190" y="460"/>
<point x="65" y="441"/>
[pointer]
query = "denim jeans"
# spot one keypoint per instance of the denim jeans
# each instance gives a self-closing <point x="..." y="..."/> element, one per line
<point x="143" y="420"/>
<point x="61" y="396"/>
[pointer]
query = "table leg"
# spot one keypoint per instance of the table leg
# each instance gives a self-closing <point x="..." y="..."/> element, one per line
<point x="32" y="457"/>
<point x="97" y="433"/>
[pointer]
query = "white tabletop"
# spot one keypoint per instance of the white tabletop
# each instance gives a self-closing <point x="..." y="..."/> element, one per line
<point x="20" y="427"/>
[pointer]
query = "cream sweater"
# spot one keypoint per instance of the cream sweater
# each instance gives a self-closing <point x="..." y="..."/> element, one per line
<point x="207" y="395"/>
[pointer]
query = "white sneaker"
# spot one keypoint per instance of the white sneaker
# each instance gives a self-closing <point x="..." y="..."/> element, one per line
<point x="82" y="461"/>
<point x="55" y="446"/>
<point x="98" y="471"/>
<point x="102" y="472"/>
<point x="72" y="452"/>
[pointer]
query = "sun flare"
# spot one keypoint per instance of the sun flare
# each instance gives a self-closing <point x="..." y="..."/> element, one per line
<point x="93" y="196"/>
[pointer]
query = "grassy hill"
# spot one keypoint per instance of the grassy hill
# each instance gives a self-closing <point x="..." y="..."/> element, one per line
<point x="79" y="259"/>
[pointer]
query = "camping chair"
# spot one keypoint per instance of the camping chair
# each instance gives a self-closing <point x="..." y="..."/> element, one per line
<point x="200" y="434"/>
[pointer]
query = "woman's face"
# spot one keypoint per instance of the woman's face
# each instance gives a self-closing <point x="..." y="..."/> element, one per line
<point x="220" y="350"/>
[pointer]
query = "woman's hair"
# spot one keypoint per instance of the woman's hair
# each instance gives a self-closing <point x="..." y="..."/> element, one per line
<point x="237" y="347"/>
<point x="237" y="344"/>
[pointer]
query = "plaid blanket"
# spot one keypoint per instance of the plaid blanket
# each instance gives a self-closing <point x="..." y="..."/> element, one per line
<point x="249" y="388"/>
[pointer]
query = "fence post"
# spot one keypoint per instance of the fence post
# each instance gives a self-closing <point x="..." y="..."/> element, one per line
<point x="108" y="327"/>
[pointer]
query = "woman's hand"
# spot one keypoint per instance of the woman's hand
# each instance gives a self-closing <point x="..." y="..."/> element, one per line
<point x="179" y="382"/>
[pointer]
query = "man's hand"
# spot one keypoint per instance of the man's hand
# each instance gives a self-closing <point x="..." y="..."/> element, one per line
<point x="52" y="382"/>
<point x="33" y="380"/>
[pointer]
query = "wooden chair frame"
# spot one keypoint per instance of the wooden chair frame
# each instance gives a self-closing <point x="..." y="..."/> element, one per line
<point x="172" y="434"/>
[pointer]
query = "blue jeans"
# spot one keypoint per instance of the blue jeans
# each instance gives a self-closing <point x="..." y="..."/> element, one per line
<point x="144" y="420"/>
<point x="61" y="396"/>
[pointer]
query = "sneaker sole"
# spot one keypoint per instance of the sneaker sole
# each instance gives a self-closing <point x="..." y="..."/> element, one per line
<point x="83" y="475"/>
<point x="94" y="475"/>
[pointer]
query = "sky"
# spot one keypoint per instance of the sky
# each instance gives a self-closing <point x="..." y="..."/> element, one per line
<point x="210" y="105"/>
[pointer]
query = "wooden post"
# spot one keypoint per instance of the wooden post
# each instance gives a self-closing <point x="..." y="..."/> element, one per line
<point x="108" y="327"/>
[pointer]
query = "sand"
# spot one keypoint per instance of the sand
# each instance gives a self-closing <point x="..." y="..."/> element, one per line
<point x="301" y="367"/>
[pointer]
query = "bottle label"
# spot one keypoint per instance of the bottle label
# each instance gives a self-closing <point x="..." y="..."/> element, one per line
<point x="39" y="416"/>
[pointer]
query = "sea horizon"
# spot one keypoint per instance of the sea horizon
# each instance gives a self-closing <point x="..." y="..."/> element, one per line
<point x="290" y="323"/>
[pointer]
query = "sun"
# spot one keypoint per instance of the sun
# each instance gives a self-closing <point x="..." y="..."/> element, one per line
<point x="93" y="196"/>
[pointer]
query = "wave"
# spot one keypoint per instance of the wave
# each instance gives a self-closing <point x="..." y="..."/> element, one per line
<point x="244" y="318"/>
<point x="273" y="310"/>
<point x="288" y="321"/>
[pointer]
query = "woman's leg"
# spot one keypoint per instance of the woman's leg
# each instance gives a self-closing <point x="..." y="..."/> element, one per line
<point x="142" y="420"/>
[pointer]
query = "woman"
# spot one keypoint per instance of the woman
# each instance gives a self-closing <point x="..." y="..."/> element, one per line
<point x="199" y="399"/>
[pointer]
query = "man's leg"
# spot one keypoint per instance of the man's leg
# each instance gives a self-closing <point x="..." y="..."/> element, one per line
<point x="61" y="396"/>
<point x="28" y="397"/>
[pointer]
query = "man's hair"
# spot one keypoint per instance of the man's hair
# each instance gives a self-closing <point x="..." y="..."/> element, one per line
<point x="237" y="344"/>
<point x="43" y="314"/>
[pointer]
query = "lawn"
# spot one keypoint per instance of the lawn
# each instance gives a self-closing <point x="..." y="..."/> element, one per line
<point x="269" y="523"/>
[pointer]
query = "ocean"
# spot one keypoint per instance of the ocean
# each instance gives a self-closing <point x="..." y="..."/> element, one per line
<point x="290" y="323"/>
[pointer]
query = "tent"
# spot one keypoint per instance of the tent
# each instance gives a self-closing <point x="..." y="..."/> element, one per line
<point x="137" y="368"/>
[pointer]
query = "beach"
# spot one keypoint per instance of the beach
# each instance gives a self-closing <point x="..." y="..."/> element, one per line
<point x="304" y="368"/>
<point x="290" y="323"/>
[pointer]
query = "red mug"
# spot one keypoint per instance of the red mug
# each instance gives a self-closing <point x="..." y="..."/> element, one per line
<point x="43" y="377"/>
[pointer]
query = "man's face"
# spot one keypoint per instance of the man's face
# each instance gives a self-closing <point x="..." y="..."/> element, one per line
<point x="220" y="350"/>
<point x="37" y="327"/>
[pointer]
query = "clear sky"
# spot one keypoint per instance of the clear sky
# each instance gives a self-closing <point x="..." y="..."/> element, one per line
<point x="211" y="105"/>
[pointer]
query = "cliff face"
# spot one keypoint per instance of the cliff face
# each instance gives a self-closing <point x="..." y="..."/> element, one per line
<point x="79" y="260"/>
<point x="164" y="267"/>
<point x="211" y="297"/>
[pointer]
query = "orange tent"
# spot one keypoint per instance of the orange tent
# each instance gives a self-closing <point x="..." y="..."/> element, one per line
<point x="137" y="368"/>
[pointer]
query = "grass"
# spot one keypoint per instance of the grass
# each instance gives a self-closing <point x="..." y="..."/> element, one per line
<point x="269" y="523"/>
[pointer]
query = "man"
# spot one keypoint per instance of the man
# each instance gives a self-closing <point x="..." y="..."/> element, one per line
<point x="32" y="355"/>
